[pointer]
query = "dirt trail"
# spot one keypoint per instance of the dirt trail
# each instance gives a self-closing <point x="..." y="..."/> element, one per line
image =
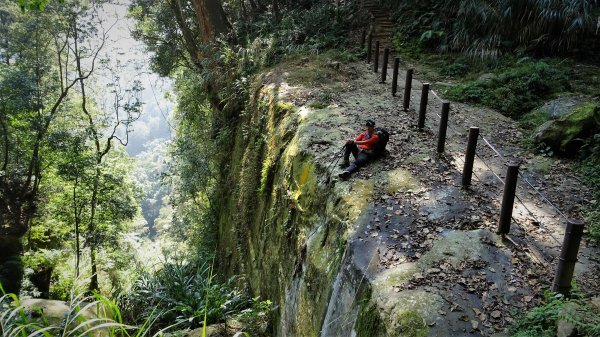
<point x="480" y="295"/>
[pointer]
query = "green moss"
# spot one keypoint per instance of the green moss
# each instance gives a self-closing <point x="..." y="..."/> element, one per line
<point x="318" y="105"/>
<point x="515" y="90"/>
<point x="567" y="133"/>
<point x="359" y="196"/>
<point x="281" y="108"/>
<point x="314" y="70"/>
<point x="541" y="164"/>
<point x="324" y="99"/>
<point x="410" y="324"/>
<point x="397" y="180"/>
<point x="368" y="322"/>
<point x="533" y="119"/>
<point x="582" y="114"/>
<point x="266" y="168"/>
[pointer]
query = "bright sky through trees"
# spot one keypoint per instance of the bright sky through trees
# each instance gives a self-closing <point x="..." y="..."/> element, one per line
<point x="122" y="47"/>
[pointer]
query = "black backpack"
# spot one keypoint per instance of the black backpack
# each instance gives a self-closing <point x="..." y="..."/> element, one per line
<point x="384" y="137"/>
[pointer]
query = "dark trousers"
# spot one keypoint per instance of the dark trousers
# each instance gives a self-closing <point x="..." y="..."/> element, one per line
<point x="360" y="157"/>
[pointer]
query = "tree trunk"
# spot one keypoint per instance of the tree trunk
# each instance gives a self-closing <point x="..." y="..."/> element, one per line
<point x="211" y="19"/>
<point x="77" y="213"/>
<point x="193" y="50"/>
<point x="6" y="144"/>
<point x="94" y="279"/>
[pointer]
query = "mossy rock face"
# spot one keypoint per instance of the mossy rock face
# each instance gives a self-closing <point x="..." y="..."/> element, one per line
<point x="368" y="322"/>
<point x="565" y="135"/>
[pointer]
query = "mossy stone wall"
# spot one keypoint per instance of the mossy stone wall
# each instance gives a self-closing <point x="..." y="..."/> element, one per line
<point x="278" y="224"/>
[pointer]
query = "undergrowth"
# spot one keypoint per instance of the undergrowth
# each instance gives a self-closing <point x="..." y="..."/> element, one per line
<point x="179" y="297"/>
<point x="188" y="294"/>
<point x="542" y="321"/>
<point x="513" y="91"/>
<point x="589" y="169"/>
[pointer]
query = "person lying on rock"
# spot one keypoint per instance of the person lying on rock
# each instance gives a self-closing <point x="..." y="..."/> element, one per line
<point x="362" y="148"/>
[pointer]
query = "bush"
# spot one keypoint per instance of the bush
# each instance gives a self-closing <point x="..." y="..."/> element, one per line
<point x="184" y="292"/>
<point x="513" y="91"/>
<point x="542" y="321"/>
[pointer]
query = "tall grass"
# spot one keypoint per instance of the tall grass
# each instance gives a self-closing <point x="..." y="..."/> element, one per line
<point x="87" y="315"/>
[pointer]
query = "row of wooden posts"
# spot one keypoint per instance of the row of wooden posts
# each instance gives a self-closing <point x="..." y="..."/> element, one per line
<point x="574" y="231"/>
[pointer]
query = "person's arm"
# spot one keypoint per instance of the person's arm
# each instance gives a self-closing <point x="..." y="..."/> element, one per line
<point x="371" y="141"/>
<point x="356" y="140"/>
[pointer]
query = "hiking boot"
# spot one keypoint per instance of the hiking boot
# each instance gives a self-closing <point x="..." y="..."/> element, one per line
<point x="344" y="175"/>
<point x="344" y="165"/>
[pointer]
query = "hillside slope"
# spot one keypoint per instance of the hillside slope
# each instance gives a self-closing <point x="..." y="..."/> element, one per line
<point x="400" y="246"/>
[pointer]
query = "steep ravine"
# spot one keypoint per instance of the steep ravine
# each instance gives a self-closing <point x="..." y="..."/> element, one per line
<point x="398" y="250"/>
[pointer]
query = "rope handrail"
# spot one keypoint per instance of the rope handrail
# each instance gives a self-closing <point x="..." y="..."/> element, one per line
<point x="545" y="261"/>
<point x="531" y="213"/>
<point x="489" y="144"/>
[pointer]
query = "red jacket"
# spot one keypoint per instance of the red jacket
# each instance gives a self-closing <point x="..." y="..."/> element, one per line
<point x="371" y="140"/>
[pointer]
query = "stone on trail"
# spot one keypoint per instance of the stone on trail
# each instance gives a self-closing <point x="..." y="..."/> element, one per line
<point x="564" y="135"/>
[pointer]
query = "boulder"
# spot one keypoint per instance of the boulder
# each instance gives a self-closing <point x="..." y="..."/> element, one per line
<point x="559" y="107"/>
<point x="55" y="312"/>
<point x="565" y="135"/>
<point x="215" y="330"/>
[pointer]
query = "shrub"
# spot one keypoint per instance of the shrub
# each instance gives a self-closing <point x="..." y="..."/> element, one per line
<point x="183" y="292"/>
<point x="513" y="91"/>
<point x="85" y="314"/>
<point x="542" y="321"/>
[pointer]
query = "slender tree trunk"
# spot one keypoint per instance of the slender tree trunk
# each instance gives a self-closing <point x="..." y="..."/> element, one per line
<point x="94" y="279"/>
<point x="92" y="226"/>
<point x="188" y="35"/>
<point x="77" y="214"/>
<point x="6" y="143"/>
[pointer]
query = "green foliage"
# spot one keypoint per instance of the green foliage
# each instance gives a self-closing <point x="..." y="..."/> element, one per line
<point x="541" y="321"/>
<point x="513" y="91"/>
<point x="533" y="119"/>
<point x="323" y="99"/>
<point x="84" y="315"/>
<point x="590" y="171"/>
<point x="456" y="69"/>
<point x="489" y="29"/>
<point x="185" y="292"/>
